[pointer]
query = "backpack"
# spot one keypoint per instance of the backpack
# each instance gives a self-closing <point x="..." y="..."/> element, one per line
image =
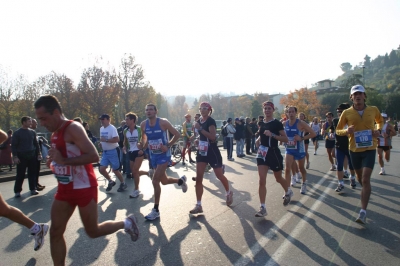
<point x="224" y="131"/>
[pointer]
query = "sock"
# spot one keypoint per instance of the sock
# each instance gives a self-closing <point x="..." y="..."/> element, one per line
<point x="364" y="211"/>
<point x="227" y="192"/>
<point x="298" y="175"/>
<point x="263" y="205"/>
<point x="35" y="229"/>
<point x="127" y="224"/>
<point x="382" y="168"/>
<point x="288" y="191"/>
<point x="199" y="202"/>
<point x="341" y="182"/>
<point x="156" y="207"/>
<point x="352" y="177"/>
<point x="180" y="182"/>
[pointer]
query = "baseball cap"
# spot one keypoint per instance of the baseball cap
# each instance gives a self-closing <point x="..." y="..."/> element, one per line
<point x="237" y="119"/>
<point x="229" y="120"/>
<point x="241" y="118"/>
<point x="384" y="115"/>
<point x="356" y="88"/>
<point x="104" y="116"/>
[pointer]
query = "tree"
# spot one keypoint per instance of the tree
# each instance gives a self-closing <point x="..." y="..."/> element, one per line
<point x="8" y="98"/>
<point x="331" y="101"/>
<point x="393" y="58"/>
<point x="256" y="109"/>
<point x="351" y="80"/>
<point x="367" y="61"/>
<point x="346" y="67"/>
<point x="306" y="101"/>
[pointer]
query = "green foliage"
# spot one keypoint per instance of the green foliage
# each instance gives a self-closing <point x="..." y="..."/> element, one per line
<point x="256" y="109"/>
<point x="346" y="67"/>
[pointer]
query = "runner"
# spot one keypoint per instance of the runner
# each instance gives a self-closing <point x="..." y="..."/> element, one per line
<point x="269" y="156"/>
<point x="71" y="157"/>
<point x="295" y="149"/>
<point x="328" y="131"/>
<point x="208" y="153"/>
<point x="342" y="153"/>
<point x="360" y="120"/>
<point x="317" y="129"/>
<point x="187" y="134"/>
<point x="302" y="117"/>
<point x="111" y="153"/>
<point x="155" y="136"/>
<point x="134" y="149"/>
<point x="385" y="143"/>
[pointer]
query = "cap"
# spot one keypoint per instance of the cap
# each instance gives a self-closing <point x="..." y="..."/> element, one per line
<point x="229" y="120"/>
<point x="384" y="115"/>
<point x="237" y="119"/>
<point x="104" y="116"/>
<point x="343" y="106"/>
<point x="356" y="88"/>
<point x="241" y="118"/>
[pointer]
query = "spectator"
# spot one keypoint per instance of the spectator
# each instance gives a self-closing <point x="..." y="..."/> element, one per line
<point x="254" y="130"/>
<point x="248" y="134"/>
<point x="239" y="137"/>
<point x="229" y="138"/>
<point x="223" y="137"/>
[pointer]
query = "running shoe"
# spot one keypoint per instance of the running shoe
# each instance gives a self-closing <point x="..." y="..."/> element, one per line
<point x="339" y="188"/>
<point x="197" y="209"/>
<point x="34" y="192"/>
<point x="110" y="185"/>
<point x="303" y="188"/>
<point x="287" y="199"/>
<point x="154" y="214"/>
<point x="229" y="198"/>
<point x="231" y="159"/>
<point x="150" y="173"/>
<point x="307" y="165"/>
<point x="183" y="162"/>
<point x="39" y="236"/>
<point x="345" y="174"/>
<point x="353" y="183"/>
<point x="134" y="194"/>
<point x="17" y="195"/>
<point x="191" y="161"/>
<point x="298" y="178"/>
<point x="262" y="212"/>
<point x="382" y="172"/>
<point x="184" y="185"/>
<point x="294" y="181"/>
<point x="333" y="168"/>
<point x="133" y="230"/>
<point x="362" y="218"/>
<point x="122" y="187"/>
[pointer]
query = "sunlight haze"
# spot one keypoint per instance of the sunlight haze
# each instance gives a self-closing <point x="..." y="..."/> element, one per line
<point x="195" y="47"/>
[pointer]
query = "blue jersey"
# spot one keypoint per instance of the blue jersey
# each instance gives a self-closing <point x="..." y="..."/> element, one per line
<point x="293" y="146"/>
<point x="156" y="137"/>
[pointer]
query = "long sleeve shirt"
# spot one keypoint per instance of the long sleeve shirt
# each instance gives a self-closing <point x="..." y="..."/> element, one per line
<point x="24" y="141"/>
<point x="361" y="122"/>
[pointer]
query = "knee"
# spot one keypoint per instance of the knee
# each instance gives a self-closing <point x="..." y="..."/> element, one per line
<point x="56" y="231"/>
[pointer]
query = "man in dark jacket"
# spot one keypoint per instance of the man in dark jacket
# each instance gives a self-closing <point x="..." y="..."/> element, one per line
<point x="248" y="134"/>
<point x="124" y="156"/>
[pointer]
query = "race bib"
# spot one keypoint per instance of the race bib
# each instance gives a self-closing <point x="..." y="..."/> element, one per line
<point x="291" y="144"/>
<point x="203" y="147"/>
<point x="155" y="146"/>
<point x="262" y="152"/>
<point x="61" y="172"/>
<point x="363" y="138"/>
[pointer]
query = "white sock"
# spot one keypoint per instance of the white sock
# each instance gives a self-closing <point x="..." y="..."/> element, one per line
<point x="263" y="205"/>
<point x="199" y="202"/>
<point x="364" y="211"/>
<point x="127" y="223"/>
<point x="341" y="182"/>
<point x="382" y="168"/>
<point x="35" y="229"/>
<point x="227" y="192"/>
<point x="352" y="177"/>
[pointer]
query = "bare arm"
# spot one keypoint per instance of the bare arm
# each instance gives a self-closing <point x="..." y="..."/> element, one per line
<point x="3" y="136"/>
<point x="166" y="125"/>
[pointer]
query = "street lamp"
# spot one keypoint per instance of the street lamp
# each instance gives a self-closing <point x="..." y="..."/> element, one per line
<point x="363" y="67"/>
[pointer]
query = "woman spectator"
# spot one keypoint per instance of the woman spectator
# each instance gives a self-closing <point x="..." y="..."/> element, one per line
<point x="5" y="152"/>
<point x="88" y="132"/>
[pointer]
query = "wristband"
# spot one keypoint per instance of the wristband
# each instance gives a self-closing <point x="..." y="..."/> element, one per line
<point x="273" y="135"/>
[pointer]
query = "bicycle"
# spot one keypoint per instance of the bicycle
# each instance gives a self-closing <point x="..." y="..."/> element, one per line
<point x="176" y="151"/>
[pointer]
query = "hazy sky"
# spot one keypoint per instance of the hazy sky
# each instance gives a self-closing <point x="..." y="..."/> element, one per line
<point x="195" y="47"/>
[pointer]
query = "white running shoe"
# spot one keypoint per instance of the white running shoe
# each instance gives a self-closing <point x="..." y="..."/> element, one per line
<point x="294" y="181"/>
<point x="150" y="173"/>
<point x="133" y="231"/>
<point x="154" y="214"/>
<point x="303" y="189"/>
<point x="39" y="236"/>
<point x="134" y="194"/>
<point x="184" y="185"/>
<point x="298" y="178"/>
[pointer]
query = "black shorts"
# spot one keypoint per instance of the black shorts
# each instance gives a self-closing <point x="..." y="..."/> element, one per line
<point x="133" y="155"/>
<point x="315" y="138"/>
<point x="307" y="141"/>
<point x="273" y="160"/>
<point x="363" y="159"/>
<point x="213" y="157"/>
<point x="385" y="148"/>
<point x="329" y="144"/>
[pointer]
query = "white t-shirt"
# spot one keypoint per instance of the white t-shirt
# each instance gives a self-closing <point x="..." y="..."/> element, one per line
<point x="108" y="132"/>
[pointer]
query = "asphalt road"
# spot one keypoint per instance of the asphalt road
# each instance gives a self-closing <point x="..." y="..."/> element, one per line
<point x="315" y="229"/>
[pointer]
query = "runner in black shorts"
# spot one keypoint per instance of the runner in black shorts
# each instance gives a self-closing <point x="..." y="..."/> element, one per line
<point x="208" y="153"/>
<point x="269" y="156"/>
<point x="328" y="131"/>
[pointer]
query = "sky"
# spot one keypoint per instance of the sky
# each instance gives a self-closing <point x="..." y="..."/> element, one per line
<point x="196" y="47"/>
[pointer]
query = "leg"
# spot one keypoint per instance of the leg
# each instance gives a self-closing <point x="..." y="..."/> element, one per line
<point x="161" y="176"/>
<point x="32" y="171"/>
<point x="19" y="180"/>
<point x="302" y="169"/>
<point x="366" y="187"/>
<point x="103" y="171"/>
<point x="387" y="155"/>
<point x="135" y="166"/>
<point x="262" y="183"/>
<point x="222" y="178"/>
<point x="200" y="168"/>
<point x="288" y="167"/>
<point x="380" y="157"/>
<point x="330" y="157"/>
<point x="279" y="178"/>
<point x="14" y="214"/>
<point x="61" y="211"/>
<point x="307" y="155"/>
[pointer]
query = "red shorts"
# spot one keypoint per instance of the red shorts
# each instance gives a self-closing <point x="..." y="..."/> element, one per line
<point x="80" y="197"/>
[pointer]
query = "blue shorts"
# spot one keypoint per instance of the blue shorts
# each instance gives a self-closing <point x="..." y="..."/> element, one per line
<point x="296" y="155"/>
<point x="111" y="157"/>
<point x="157" y="159"/>
<point x="340" y="155"/>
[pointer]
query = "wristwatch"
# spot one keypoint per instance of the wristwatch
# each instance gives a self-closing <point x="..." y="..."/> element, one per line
<point x="273" y="135"/>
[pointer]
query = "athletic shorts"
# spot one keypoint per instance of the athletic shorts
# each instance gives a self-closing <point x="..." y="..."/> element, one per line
<point x="307" y="141"/>
<point x="340" y="156"/>
<point x="296" y="155"/>
<point x="385" y="148"/>
<point x="213" y="157"/>
<point x="77" y="197"/>
<point x="315" y="138"/>
<point x="273" y="160"/>
<point x="363" y="159"/>
<point x="111" y="157"/>
<point x="329" y="144"/>
<point x="157" y="159"/>
<point x="134" y="154"/>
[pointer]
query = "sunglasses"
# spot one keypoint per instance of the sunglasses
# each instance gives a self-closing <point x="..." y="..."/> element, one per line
<point x="203" y="108"/>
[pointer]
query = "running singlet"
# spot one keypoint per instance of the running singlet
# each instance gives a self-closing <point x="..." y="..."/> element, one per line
<point x="315" y="128"/>
<point x="70" y="177"/>
<point x="385" y="141"/>
<point x="133" y="138"/>
<point x="187" y="129"/>
<point x="156" y="137"/>
<point x="293" y="145"/>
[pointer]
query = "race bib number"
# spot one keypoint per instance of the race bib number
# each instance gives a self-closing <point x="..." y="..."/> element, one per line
<point x="363" y="138"/>
<point x="61" y="172"/>
<point x="291" y="144"/>
<point x="155" y="146"/>
<point x="262" y="152"/>
<point x="203" y="147"/>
